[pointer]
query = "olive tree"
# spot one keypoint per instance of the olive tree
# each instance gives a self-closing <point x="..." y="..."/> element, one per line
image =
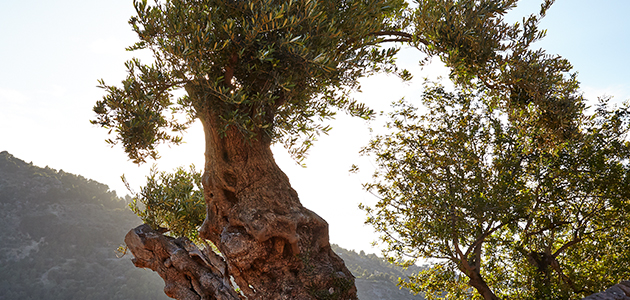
<point x="254" y="73"/>
<point x="507" y="181"/>
<point x="503" y="217"/>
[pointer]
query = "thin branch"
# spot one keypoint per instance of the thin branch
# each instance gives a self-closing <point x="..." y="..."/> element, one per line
<point x="396" y="40"/>
<point x="567" y="245"/>
<point x="484" y="236"/>
<point x="402" y="37"/>
<point x="405" y="35"/>
<point x="550" y="227"/>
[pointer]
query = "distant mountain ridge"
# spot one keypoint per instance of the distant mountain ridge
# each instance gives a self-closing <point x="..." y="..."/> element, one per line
<point x="59" y="235"/>
<point x="60" y="230"/>
<point x="375" y="277"/>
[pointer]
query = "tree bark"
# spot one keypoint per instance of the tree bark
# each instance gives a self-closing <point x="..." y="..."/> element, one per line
<point x="471" y="268"/>
<point x="188" y="273"/>
<point x="273" y="247"/>
<point x="470" y="265"/>
<point x="480" y="285"/>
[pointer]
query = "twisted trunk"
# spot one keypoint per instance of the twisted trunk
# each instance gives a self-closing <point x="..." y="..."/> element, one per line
<point x="273" y="247"/>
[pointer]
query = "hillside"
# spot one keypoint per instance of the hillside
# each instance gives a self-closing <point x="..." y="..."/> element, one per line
<point x="60" y="231"/>
<point x="59" y="235"/>
<point x="376" y="279"/>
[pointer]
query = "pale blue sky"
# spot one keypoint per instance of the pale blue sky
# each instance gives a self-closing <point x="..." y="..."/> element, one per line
<point x="53" y="52"/>
<point x="593" y="35"/>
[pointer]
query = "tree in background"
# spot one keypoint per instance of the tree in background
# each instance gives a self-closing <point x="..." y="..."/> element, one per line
<point x="536" y="89"/>
<point x="461" y="184"/>
<point x="506" y="181"/>
<point x="254" y="73"/>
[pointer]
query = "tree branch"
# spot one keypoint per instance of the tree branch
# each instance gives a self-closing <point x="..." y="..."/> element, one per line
<point x="402" y="37"/>
<point x="483" y="237"/>
<point x="188" y="273"/>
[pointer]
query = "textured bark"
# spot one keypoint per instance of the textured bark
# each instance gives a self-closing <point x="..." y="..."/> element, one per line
<point x="188" y="273"/>
<point x="274" y="248"/>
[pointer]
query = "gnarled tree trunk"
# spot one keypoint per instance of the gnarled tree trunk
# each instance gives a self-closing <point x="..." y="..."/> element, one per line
<point x="274" y="248"/>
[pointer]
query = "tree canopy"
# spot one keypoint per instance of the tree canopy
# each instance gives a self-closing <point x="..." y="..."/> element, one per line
<point x="463" y="184"/>
<point x="508" y="181"/>
<point x="278" y="69"/>
<point x="269" y="67"/>
<point x="479" y="47"/>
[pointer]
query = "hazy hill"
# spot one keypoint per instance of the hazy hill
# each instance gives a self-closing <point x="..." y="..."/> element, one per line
<point x="375" y="277"/>
<point x="59" y="233"/>
<point x="58" y="236"/>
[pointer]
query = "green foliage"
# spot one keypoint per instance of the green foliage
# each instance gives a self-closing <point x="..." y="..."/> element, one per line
<point x="439" y="282"/>
<point x="271" y="68"/>
<point x="505" y="180"/>
<point x="172" y="201"/>
<point x="479" y="47"/>
<point x="464" y="184"/>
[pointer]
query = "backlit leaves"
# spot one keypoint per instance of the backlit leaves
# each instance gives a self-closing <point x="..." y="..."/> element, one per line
<point x="172" y="201"/>
<point x="271" y="68"/>
<point x="461" y="175"/>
